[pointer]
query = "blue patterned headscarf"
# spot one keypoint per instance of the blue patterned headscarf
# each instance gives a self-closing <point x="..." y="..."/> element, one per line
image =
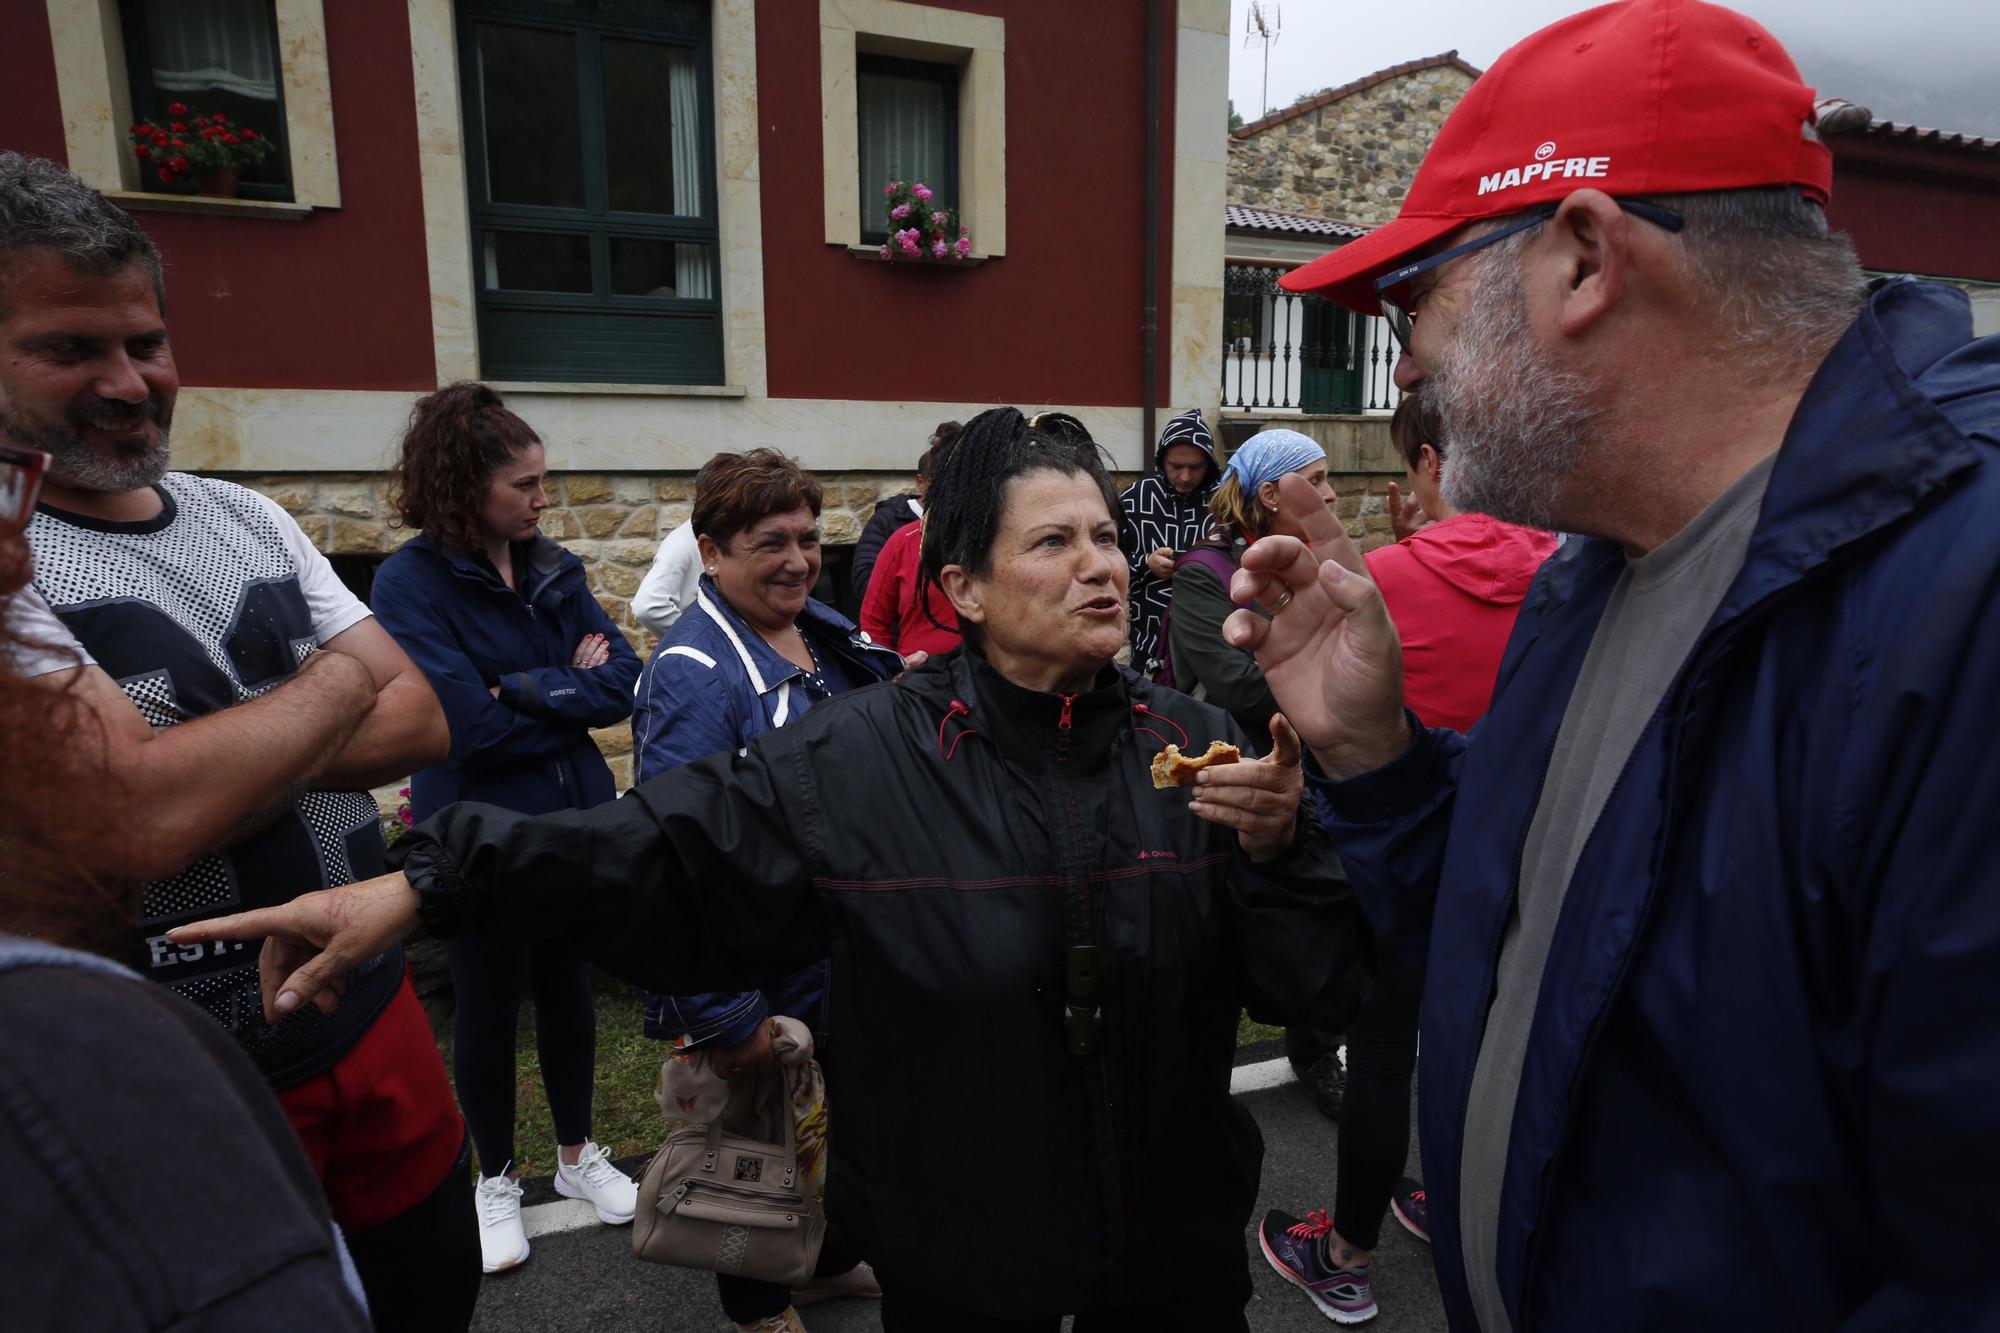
<point x="1269" y="455"/>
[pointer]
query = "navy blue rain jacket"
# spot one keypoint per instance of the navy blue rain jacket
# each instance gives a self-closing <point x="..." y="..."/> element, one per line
<point x="713" y="685"/>
<point x="1762" y="1089"/>
<point x="530" y="749"/>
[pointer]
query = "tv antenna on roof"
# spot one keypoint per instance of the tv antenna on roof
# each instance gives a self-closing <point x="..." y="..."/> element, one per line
<point x="1262" y="27"/>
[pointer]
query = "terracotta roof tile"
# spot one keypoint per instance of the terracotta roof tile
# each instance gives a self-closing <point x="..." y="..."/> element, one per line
<point x="1245" y="218"/>
<point x="1843" y="117"/>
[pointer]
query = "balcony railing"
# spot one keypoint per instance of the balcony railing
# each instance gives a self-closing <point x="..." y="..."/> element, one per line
<point x="1283" y="352"/>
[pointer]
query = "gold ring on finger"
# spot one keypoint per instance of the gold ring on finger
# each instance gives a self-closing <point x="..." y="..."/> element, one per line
<point x="1284" y="600"/>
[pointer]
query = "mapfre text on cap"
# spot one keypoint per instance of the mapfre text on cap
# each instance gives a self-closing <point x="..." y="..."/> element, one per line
<point x="1548" y="170"/>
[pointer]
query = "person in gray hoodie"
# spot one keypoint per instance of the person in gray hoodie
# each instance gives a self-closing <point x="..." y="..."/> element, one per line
<point x="1161" y="516"/>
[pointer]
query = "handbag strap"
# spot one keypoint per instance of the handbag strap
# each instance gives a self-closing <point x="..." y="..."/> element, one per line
<point x="787" y="1131"/>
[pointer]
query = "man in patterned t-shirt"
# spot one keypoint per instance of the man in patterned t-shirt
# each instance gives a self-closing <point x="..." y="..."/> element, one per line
<point x="249" y="702"/>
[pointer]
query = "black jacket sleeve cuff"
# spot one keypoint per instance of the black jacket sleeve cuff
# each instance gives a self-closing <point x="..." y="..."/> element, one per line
<point x="440" y="892"/>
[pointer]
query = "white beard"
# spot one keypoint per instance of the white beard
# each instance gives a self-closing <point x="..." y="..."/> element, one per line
<point x="1515" y="426"/>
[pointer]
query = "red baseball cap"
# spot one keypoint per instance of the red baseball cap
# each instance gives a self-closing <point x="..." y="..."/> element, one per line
<point x="1642" y="97"/>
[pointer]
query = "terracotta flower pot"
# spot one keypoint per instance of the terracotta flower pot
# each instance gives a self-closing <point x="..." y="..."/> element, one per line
<point x="217" y="182"/>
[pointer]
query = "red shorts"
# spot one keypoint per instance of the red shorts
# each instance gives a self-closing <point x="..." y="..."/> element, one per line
<point x="380" y="1126"/>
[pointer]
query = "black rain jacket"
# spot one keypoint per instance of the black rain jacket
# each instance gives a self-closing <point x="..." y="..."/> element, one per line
<point x="944" y="839"/>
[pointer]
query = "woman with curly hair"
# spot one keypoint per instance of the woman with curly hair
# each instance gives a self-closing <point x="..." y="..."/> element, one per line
<point x="525" y="662"/>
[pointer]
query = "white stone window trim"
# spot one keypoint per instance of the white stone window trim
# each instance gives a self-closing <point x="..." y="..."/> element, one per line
<point x="977" y="45"/>
<point x="95" y="91"/>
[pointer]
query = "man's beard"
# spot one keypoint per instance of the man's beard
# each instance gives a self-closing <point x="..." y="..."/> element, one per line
<point x="76" y="463"/>
<point x="1514" y="424"/>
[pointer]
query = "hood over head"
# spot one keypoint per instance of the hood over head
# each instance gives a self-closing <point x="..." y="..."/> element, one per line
<point x="1187" y="428"/>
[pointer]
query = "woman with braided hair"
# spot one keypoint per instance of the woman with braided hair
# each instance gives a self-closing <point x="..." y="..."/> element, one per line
<point x="1036" y="1001"/>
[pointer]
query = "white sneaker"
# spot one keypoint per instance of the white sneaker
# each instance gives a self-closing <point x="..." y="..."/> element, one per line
<point x="502" y="1242"/>
<point x="609" y="1190"/>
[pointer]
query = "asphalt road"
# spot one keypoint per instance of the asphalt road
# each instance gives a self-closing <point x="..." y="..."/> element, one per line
<point x="588" y="1279"/>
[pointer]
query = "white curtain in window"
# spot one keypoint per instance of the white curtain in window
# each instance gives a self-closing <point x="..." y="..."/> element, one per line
<point x="202" y="44"/>
<point x="693" y="274"/>
<point x="902" y="137"/>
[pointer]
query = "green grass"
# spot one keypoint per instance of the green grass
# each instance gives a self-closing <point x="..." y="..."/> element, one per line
<point x="626" y="1119"/>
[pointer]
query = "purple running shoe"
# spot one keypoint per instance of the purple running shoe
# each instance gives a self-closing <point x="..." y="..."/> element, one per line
<point x="1296" y="1247"/>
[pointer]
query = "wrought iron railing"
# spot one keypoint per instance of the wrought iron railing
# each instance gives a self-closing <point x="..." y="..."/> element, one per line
<point x="1285" y="352"/>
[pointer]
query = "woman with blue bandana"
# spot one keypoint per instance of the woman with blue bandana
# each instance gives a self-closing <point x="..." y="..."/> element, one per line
<point x="1243" y="508"/>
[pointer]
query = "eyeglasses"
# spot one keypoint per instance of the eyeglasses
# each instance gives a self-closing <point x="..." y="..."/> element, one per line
<point x="1402" y="321"/>
<point x="20" y="482"/>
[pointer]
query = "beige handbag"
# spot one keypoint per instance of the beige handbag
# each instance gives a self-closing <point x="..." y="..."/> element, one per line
<point x="732" y="1195"/>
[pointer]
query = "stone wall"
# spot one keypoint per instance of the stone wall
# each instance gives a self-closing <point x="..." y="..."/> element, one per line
<point x="613" y="521"/>
<point x="1351" y="159"/>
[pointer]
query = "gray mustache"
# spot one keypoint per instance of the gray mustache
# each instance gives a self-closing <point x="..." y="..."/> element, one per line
<point x="104" y="418"/>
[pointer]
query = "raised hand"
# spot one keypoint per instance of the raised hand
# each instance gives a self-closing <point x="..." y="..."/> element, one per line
<point x="1260" y="800"/>
<point x="314" y="941"/>
<point x="1329" y="653"/>
<point x="1406" y="513"/>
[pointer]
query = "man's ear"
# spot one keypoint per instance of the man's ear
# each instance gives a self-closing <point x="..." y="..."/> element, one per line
<point x="1587" y="262"/>
<point x="964" y="592"/>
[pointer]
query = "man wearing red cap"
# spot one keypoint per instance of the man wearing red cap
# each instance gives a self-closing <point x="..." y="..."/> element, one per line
<point x="1710" y="1036"/>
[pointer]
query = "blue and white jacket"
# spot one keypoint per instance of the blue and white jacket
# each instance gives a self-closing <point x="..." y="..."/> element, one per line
<point x="713" y="684"/>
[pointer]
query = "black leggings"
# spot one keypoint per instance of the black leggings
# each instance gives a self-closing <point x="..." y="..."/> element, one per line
<point x="421" y="1267"/>
<point x="1375" y="1119"/>
<point x="490" y="975"/>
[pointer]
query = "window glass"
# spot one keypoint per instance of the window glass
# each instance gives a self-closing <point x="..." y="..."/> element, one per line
<point x="526" y="82"/>
<point x="652" y="127"/>
<point x="907" y="116"/>
<point x="211" y="56"/>
<point x="645" y="266"/>
<point x="536" y="261"/>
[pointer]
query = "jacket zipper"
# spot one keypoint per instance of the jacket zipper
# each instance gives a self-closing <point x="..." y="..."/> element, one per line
<point x="1065" y="731"/>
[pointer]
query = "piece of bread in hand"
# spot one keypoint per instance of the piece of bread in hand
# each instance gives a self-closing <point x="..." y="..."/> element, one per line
<point x="1171" y="768"/>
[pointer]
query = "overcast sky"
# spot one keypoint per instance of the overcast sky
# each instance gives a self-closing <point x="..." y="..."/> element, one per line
<point x="1912" y="60"/>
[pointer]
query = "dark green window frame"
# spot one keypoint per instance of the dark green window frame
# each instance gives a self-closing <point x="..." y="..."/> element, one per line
<point x="598" y="336"/>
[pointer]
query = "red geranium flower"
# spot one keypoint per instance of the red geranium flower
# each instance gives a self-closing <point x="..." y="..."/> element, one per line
<point x="178" y="127"/>
<point x="177" y="109"/>
<point x="178" y="163"/>
<point x="159" y="136"/>
<point x="249" y="133"/>
<point x="167" y="175"/>
<point x="231" y="139"/>
<point x="143" y="152"/>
